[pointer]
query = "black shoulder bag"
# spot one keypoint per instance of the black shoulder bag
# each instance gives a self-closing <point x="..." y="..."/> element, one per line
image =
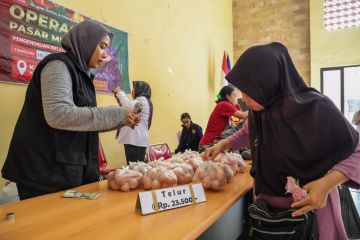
<point x="278" y="224"/>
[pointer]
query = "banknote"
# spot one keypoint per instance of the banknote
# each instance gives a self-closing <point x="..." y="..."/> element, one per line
<point x="84" y="195"/>
<point x="138" y="108"/>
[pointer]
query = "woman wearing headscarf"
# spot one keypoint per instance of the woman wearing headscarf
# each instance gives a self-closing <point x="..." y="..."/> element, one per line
<point x="226" y="106"/>
<point x="55" y="142"/>
<point x="293" y="130"/>
<point x="136" y="139"/>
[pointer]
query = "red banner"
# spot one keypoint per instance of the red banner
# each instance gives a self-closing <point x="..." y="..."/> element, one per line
<point x="32" y="29"/>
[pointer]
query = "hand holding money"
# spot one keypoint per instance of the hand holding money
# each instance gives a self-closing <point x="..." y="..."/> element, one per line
<point x="137" y="114"/>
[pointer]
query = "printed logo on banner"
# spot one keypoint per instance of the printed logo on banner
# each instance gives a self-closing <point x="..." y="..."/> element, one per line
<point x="31" y="30"/>
<point x="23" y="68"/>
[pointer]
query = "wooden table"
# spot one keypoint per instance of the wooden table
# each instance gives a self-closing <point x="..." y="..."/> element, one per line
<point x="113" y="215"/>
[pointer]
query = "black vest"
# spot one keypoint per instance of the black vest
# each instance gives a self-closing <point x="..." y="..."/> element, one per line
<point x="48" y="159"/>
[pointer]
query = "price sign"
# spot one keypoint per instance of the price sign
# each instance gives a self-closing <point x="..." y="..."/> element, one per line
<point x="169" y="198"/>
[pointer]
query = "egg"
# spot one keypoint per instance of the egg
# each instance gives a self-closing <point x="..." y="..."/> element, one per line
<point x="133" y="183"/>
<point x="228" y="173"/>
<point x="188" y="177"/>
<point x="155" y="184"/>
<point x="171" y="166"/>
<point x="162" y="178"/>
<point x="189" y="170"/>
<point x="195" y="166"/>
<point x="173" y="178"/>
<point x="213" y="174"/>
<point x="172" y="182"/>
<point x="219" y="174"/>
<point x="140" y="180"/>
<point x="119" y="179"/>
<point x="196" y="179"/>
<point x="147" y="182"/>
<point x="152" y="173"/>
<point x="125" y="187"/>
<point x="177" y="160"/>
<point x="152" y="164"/>
<point x="110" y="175"/>
<point x="179" y="174"/>
<point x="215" y="185"/>
<point x="201" y="172"/>
<point x="181" y="180"/>
<point x="112" y="185"/>
<point x="206" y="183"/>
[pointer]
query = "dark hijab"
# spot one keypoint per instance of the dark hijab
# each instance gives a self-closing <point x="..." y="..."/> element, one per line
<point x="300" y="133"/>
<point x="143" y="89"/>
<point x="226" y="90"/>
<point x="81" y="41"/>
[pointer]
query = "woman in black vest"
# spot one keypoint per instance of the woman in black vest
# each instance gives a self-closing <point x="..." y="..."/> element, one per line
<point x="55" y="141"/>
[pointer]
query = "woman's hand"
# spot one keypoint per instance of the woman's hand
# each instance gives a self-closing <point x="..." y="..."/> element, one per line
<point x="129" y="118"/>
<point x="315" y="199"/>
<point x="318" y="192"/>
<point x="241" y="114"/>
<point x="212" y="152"/>
<point x="137" y="118"/>
<point x="116" y="91"/>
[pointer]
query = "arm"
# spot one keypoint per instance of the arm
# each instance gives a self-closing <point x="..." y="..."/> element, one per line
<point x="124" y="101"/>
<point x="181" y="145"/>
<point x="227" y="109"/>
<point x="240" y="114"/>
<point x="351" y="168"/>
<point x="211" y="152"/>
<point x="240" y="138"/>
<point x="236" y="141"/>
<point x="199" y="133"/>
<point x="346" y="171"/>
<point x="318" y="192"/>
<point x="60" y="110"/>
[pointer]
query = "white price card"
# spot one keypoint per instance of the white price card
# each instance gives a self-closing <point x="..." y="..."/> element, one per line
<point x="169" y="198"/>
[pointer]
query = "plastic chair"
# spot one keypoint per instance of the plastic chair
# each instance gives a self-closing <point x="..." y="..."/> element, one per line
<point x="156" y="151"/>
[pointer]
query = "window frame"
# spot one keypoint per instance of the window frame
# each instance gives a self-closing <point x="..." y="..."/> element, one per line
<point x="341" y="68"/>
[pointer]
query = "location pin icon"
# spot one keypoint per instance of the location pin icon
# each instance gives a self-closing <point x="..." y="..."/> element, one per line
<point x="21" y="65"/>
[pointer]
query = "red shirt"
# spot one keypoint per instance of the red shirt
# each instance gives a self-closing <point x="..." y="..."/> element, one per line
<point x="217" y="121"/>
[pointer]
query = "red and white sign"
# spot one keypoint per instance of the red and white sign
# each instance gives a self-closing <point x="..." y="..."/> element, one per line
<point x="23" y="68"/>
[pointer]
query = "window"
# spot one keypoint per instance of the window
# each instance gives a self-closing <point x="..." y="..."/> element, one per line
<point x="340" y="14"/>
<point x="342" y="86"/>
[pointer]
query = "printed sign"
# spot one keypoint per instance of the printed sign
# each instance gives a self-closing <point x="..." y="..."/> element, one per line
<point x="169" y="198"/>
<point x="32" y="29"/>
